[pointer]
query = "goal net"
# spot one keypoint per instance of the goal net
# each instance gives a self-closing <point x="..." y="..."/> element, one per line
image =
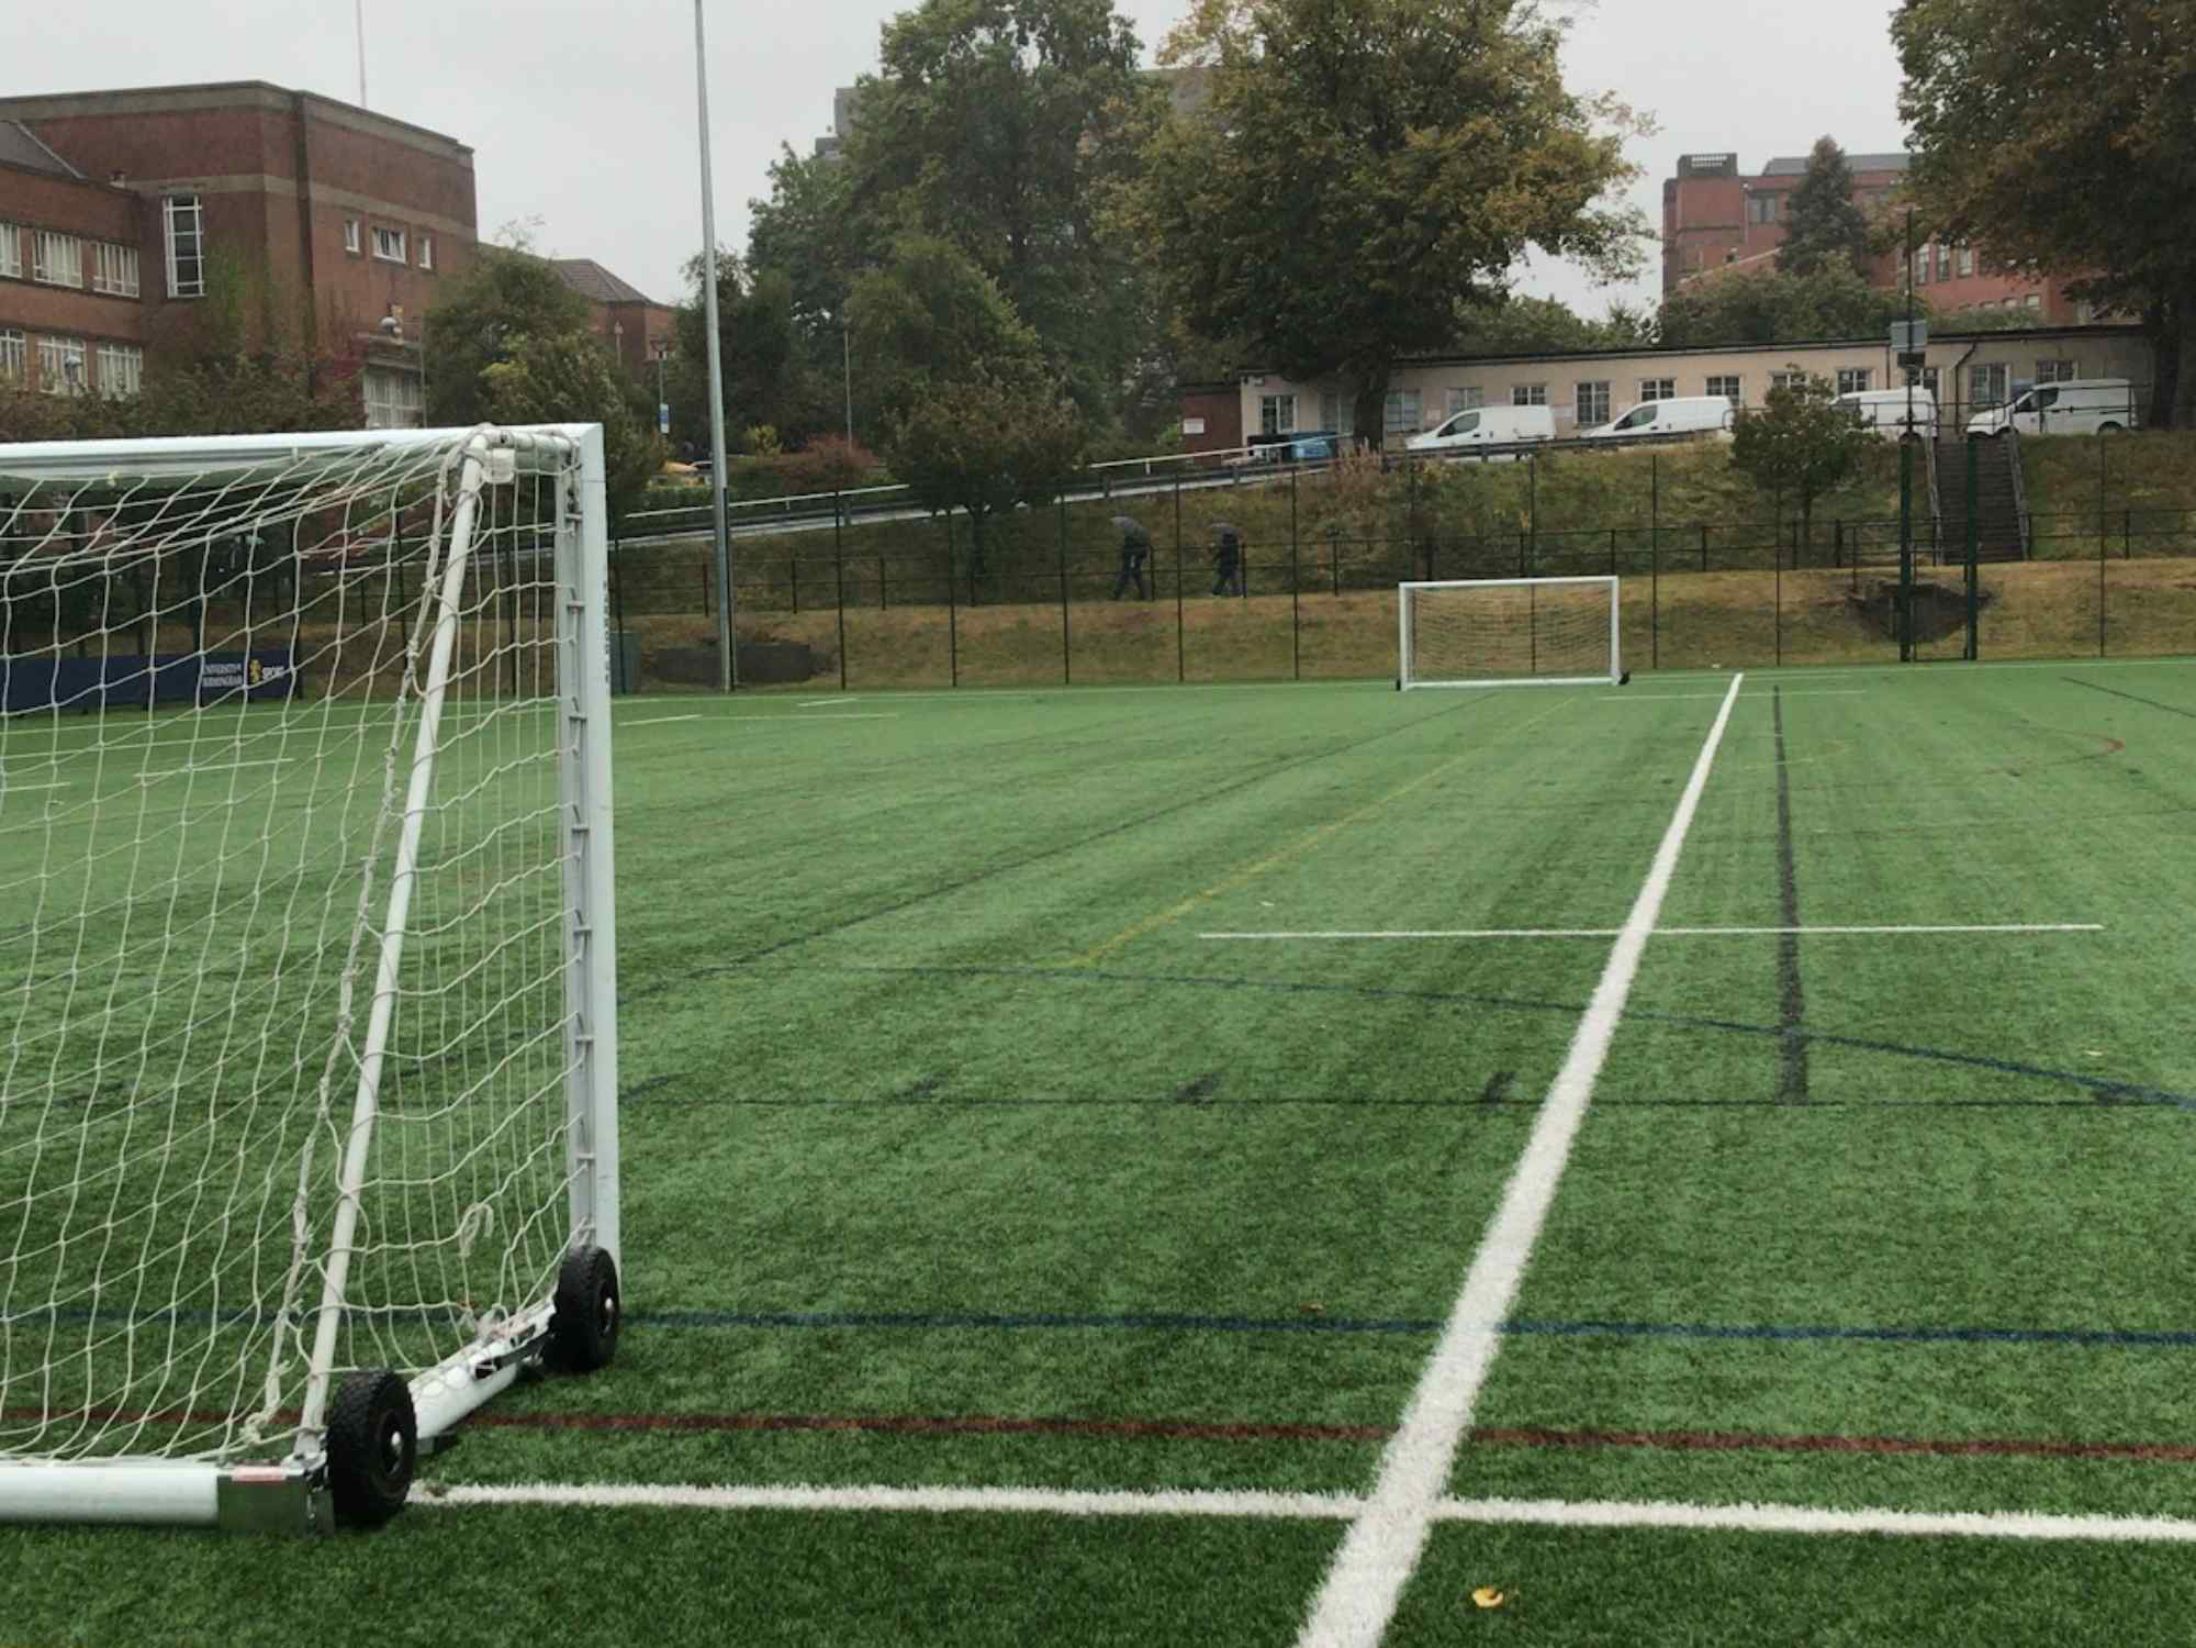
<point x="307" y="1047"/>
<point x="1509" y="632"/>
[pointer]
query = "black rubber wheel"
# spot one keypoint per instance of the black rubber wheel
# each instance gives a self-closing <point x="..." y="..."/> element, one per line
<point x="583" y="1335"/>
<point x="373" y="1447"/>
<point x="2110" y="429"/>
<point x="1625" y="679"/>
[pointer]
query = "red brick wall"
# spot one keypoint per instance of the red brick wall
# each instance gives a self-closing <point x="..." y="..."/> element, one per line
<point x="1221" y="406"/>
<point x="92" y="212"/>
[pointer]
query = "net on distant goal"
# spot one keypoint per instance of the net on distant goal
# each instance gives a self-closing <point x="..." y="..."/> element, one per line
<point x="1509" y="632"/>
<point x="307" y="1046"/>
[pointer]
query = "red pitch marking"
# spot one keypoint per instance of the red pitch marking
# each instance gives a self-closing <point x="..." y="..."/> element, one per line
<point x="2174" y="1453"/>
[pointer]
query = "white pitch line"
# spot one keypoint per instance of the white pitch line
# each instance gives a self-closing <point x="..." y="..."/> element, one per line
<point x="1701" y="697"/>
<point x="819" y="703"/>
<point x="1812" y="1519"/>
<point x="800" y="1497"/>
<point x="656" y="721"/>
<point x="1381" y="1551"/>
<point x="1405" y="934"/>
<point x="8" y="789"/>
<point x="212" y="767"/>
<point x="1255" y="1506"/>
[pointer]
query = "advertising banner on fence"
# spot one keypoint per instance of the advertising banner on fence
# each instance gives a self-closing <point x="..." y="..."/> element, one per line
<point x="134" y="681"/>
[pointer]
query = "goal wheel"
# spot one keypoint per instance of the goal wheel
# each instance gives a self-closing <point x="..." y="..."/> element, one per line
<point x="583" y="1334"/>
<point x="373" y="1446"/>
<point x="1625" y="679"/>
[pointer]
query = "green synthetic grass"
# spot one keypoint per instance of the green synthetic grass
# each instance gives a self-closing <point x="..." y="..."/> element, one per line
<point x="954" y="1155"/>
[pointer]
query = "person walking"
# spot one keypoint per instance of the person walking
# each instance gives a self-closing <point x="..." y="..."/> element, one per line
<point x="1227" y="559"/>
<point x="1135" y="551"/>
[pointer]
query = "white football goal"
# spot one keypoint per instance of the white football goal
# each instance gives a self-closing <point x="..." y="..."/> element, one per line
<point x="1500" y="632"/>
<point x="308" y="1048"/>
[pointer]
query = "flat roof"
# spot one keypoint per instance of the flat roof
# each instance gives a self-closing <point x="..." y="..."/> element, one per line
<point x="210" y="94"/>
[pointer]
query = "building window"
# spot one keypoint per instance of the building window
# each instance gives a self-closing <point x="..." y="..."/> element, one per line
<point x="13" y="359"/>
<point x="2056" y="371"/>
<point x="1786" y="380"/>
<point x="121" y="370"/>
<point x="114" y="269"/>
<point x="1967" y="261"/>
<point x="61" y="366"/>
<point x="1764" y="209"/>
<point x="1468" y="398"/>
<point x="2034" y="300"/>
<point x="1944" y="261"/>
<point x="1856" y="380"/>
<point x="1593" y="403"/>
<point x="1658" y="389"/>
<point x="1921" y="267"/>
<point x="186" y="226"/>
<point x="1730" y="388"/>
<point x="1529" y="394"/>
<point x="11" y="251"/>
<point x="1930" y="379"/>
<point x="1401" y="412"/>
<point x="389" y="245"/>
<point x="1276" y="414"/>
<point x="353" y="242"/>
<point x="1986" y="385"/>
<point x="427" y="252"/>
<point x="57" y="259"/>
<point x="394" y="400"/>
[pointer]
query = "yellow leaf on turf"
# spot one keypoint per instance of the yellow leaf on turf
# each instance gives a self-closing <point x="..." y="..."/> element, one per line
<point x="1487" y="1596"/>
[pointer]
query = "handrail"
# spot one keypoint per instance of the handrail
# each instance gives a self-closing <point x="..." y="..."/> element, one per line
<point x="2020" y="490"/>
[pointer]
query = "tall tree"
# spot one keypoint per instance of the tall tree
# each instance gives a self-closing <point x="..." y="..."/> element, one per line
<point x="568" y="377"/>
<point x="1363" y="169"/>
<point x="2058" y="134"/>
<point x="507" y="294"/>
<point x="1827" y="225"/>
<point x="769" y="379"/>
<point x="1009" y="127"/>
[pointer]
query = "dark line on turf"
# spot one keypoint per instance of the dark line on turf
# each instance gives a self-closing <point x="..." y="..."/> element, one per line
<point x="2131" y="697"/>
<point x="1269" y="769"/>
<point x="2105" y="1088"/>
<point x="1791" y="998"/>
<point x="1401" y="1326"/>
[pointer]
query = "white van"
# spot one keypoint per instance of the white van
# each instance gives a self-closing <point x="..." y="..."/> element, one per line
<point x="1488" y="426"/>
<point x="2082" y="406"/>
<point x="1687" y="415"/>
<point x="1885" y="412"/>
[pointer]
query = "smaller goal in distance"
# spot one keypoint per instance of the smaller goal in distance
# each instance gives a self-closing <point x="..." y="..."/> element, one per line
<point x="1509" y="632"/>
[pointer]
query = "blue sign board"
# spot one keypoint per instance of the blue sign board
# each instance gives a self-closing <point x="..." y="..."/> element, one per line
<point x="133" y="681"/>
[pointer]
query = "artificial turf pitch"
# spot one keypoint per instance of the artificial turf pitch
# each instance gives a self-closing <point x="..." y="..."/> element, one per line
<point x="954" y="1154"/>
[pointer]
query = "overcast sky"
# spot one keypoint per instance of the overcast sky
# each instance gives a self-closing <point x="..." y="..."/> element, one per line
<point x="581" y="112"/>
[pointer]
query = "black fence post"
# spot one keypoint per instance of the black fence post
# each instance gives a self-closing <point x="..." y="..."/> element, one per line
<point x="793" y="577"/>
<point x="1181" y="661"/>
<point x="838" y="565"/>
<point x="884" y="595"/>
<point x="1296" y="600"/>
<point x="1704" y="546"/>
<point x="953" y="612"/>
<point x="1067" y="655"/>
<point x="1654" y="593"/>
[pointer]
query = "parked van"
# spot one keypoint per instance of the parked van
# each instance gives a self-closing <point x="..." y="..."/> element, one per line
<point x="1886" y="412"/>
<point x="2082" y="406"/>
<point x="1488" y="426"/>
<point x="1687" y="415"/>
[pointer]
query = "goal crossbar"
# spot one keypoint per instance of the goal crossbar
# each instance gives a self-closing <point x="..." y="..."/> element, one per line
<point x="1507" y="632"/>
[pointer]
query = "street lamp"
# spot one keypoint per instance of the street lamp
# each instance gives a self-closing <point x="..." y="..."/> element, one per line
<point x="661" y="349"/>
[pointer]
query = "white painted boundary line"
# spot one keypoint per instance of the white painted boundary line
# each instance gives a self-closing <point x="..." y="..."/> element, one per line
<point x="1704" y="697"/>
<point x="800" y="1497"/>
<point x="819" y="703"/>
<point x="1311" y="1507"/>
<point x="1661" y="932"/>
<point x="656" y="721"/>
<point x="1381" y="1550"/>
<point x="210" y="767"/>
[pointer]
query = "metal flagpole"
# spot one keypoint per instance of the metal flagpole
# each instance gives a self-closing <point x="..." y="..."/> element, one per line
<point x="727" y="650"/>
<point x="358" y="16"/>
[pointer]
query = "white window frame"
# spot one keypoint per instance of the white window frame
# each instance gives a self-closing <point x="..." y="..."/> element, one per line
<point x="1967" y="262"/>
<point x="353" y="237"/>
<point x="1734" y="389"/>
<point x="1400" y="413"/>
<point x="2056" y="371"/>
<point x="183" y="223"/>
<point x="1786" y="380"/>
<point x="11" y="250"/>
<point x="1856" y="380"/>
<point x="1467" y="397"/>
<point x="401" y="401"/>
<point x="1594" y="393"/>
<point x="390" y="245"/>
<point x="114" y="269"/>
<point x="1529" y="394"/>
<point x="54" y="358"/>
<point x="1989" y="384"/>
<point x="427" y="252"/>
<point x="57" y="258"/>
<point x="1657" y="389"/>
<point x="14" y="357"/>
<point x="121" y="370"/>
<point x="1277" y="414"/>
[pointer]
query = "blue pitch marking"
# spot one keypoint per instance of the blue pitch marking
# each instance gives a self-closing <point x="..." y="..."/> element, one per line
<point x="933" y="1321"/>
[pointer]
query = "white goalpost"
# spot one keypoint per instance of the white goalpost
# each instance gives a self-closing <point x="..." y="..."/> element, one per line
<point x="308" y="1041"/>
<point x="1507" y="632"/>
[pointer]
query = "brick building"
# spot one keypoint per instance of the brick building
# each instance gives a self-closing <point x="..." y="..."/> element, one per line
<point x="632" y="325"/>
<point x="239" y="215"/>
<point x="1716" y="218"/>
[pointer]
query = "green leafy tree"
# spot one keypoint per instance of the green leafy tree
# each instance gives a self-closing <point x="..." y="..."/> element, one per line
<point x="507" y="295"/>
<point x="568" y="377"/>
<point x="1768" y="306"/>
<point x="235" y="395"/>
<point x="2059" y="135"/>
<point x="811" y="230"/>
<point x="930" y="314"/>
<point x="1801" y="444"/>
<point x="1544" y="326"/>
<point x="1011" y="127"/>
<point x="768" y="378"/>
<point x="1827" y="225"/>
<point x="1364" y="170"/>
